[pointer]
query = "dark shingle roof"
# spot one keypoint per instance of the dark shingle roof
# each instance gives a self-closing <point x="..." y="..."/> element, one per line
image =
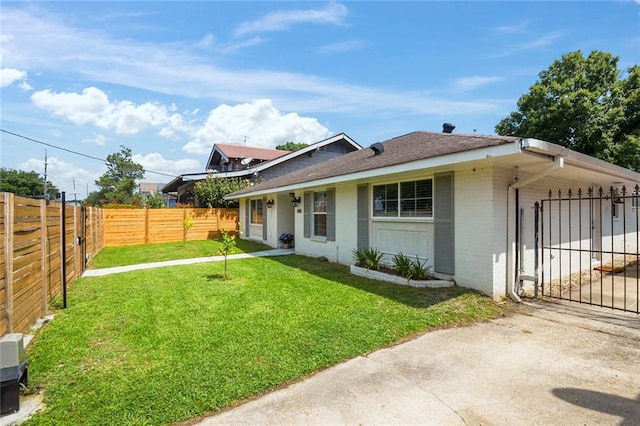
<point x="399" y="150"/>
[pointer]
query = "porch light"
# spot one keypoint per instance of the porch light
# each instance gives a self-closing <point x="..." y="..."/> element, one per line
<point x="270" y="203"/>
<point x="294" y="200"/>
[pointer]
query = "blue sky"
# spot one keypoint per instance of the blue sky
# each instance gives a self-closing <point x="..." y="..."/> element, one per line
<point x="170" y="79"/>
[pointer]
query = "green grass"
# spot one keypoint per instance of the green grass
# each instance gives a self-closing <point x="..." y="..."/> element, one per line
<point x="164" y="345"/>
<point x="147" y="253"/>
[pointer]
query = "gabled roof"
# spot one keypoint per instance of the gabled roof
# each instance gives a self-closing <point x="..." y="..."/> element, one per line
<point x="399" y="150"/>
<point x="284" y="156"/>
<point x="229" y="151"/>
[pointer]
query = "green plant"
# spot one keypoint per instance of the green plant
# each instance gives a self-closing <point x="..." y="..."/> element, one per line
<point x="360" y="258"/>
<point x="402" y="265"/>
<point x="419" y="270"/>
<point x="368" y="257"/>
<point x="227" y="247"/>
<point x="187" y="224"/>
<point x="410" y="269"/>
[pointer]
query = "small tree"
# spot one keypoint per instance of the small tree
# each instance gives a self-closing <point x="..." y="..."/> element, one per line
<point x="118" y="183"/>
<point x="227" y="247"/>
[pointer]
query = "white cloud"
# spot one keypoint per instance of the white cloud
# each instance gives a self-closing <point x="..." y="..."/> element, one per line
<point x="8" y="76"/>
<point x="466" y="84"/>
<point x="157" y="163"/>
<point x="344" y="46"/>
<point x="543" y="41"/>
<point x="333" y="13"/>
<point x="512" y="29"/>
<point x="260" y="122"/>
<point x="63" y="175"/>
<point x="93" y="107"/>
<point x="100" y="140"/>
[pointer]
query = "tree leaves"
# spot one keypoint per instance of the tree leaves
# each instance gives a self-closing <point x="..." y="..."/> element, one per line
<point x="583" y="104"/>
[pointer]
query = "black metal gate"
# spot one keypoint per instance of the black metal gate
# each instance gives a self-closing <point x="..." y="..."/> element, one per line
<point x="588" y="249"/>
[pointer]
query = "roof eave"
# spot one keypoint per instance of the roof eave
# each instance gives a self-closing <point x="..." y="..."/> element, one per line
<point x="577" y="158"/>
<point x="427" y="163"/>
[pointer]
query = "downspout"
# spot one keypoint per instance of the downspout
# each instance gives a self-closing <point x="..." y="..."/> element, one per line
<point x="513" y="232"/>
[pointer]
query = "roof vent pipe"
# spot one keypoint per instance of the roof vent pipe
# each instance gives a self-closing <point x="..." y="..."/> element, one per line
<point x="448" y="127"/>
<point x="377" y="148"/>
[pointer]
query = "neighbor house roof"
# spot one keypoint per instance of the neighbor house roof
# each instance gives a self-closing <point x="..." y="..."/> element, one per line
<point x="229" y="151"/>
<point x="282" y="157"/>
<point x="399" y="150"/>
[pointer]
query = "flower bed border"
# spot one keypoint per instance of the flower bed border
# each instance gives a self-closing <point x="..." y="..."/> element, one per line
<point x="381" y="276"/>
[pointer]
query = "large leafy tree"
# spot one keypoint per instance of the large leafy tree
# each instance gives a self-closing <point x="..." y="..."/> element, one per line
<point x="291" y="146"/>
<point x="25" y="184"/>
<point x="211" y="191"/>
<point x="586" y="104"/>
<point x="118" y="183"/>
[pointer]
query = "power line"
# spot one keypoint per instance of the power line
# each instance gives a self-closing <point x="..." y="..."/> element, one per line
<point x="102" y="160"/>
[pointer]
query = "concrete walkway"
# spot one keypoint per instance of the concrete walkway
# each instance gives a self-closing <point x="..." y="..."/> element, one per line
<point x="549" y="364"/>
<point x="119" y="269"/>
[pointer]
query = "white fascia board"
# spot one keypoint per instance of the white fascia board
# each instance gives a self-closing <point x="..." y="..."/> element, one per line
<point x="580" y="160"/>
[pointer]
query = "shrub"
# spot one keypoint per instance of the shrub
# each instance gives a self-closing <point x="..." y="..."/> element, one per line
<point x="419" y="270"/>
<point x="410" y="269"/>
<point x="368" y="257"/>
<point x="402" y="265"/>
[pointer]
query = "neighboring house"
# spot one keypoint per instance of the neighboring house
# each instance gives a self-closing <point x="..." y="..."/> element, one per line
<point x="149" y="188"/>
<point x="256" y="164"/>
<point x="463" y="202"/>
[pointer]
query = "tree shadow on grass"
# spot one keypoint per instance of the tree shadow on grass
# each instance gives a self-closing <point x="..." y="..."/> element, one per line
<point x="214" y="277"/>
<point x="416" y="297"/>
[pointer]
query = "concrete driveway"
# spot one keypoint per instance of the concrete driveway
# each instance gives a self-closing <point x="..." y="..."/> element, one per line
<point x="549" y="364"/>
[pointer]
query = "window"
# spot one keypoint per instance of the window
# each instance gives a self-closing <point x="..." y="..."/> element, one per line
<point x="256" y="212"/>
<point x="404" y="199"/>
<point x="320" y="214"/>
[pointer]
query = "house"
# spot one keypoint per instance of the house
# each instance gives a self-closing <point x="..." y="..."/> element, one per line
<point x="464" y="203"/>
<point x="256" y="164"/>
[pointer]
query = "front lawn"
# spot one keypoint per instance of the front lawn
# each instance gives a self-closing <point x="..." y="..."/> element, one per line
<point x="147" y="253"/>
<point x="164" y="345"/>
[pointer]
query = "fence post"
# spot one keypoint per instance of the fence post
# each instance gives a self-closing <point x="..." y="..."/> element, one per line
<point x="9" y="213"/>
<point x="63" y="246"/>
<point x="44" y="242"/>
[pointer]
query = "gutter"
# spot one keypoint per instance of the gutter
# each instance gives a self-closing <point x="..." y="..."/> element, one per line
<point x="513" y="217"/>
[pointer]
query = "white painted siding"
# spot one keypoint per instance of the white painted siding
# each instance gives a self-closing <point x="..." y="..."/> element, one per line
<point x="339" y="250"/>
<point x="474" y="213"/>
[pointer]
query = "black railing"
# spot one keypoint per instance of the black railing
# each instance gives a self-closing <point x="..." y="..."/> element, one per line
<point x="587" y="246"/>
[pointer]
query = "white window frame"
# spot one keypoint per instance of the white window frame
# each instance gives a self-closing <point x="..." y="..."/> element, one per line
<point x="254" y="207"/>
<point x="398" y="214"/>
<point x="322" y="211"/>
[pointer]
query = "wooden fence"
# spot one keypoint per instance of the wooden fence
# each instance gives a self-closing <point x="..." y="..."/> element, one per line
<point x="35" y="254"/>
<point x="140" y="226"/>
<point x="33" y="246"/>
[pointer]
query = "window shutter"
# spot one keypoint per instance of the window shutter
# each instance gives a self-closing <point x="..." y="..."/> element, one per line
<point x="307" y="214"/>
<point x="444" y="250"/>
<point x="331" y="214"/>
<point x="247" y="216"/>
<point x="363" y="216"/>
<point x="264" y="218"/>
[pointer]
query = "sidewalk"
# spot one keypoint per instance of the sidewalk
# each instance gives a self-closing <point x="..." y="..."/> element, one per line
<point x="119" y="269"/>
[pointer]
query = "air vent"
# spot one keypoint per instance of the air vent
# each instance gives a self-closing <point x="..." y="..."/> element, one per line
<point x="377" y="148"/>
<point x="448" y="127"/>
